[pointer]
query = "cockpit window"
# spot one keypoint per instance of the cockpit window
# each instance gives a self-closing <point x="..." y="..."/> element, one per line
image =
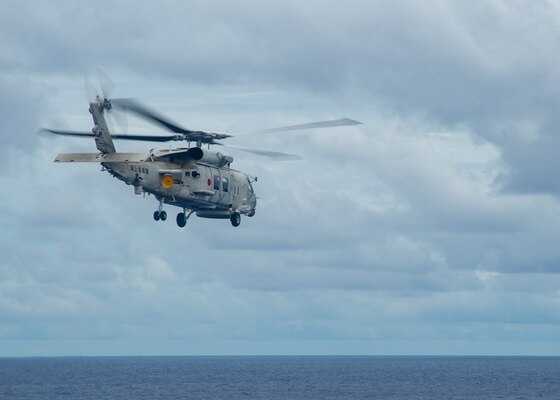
<point x="249" y="186"/>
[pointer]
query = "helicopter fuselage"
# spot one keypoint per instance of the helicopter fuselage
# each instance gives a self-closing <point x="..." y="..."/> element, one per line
<point x="209" y="190"/>
<point x="199" y="181"/>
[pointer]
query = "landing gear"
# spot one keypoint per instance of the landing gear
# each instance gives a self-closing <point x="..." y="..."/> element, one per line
<point x="181" y="220"/>
<point x="183" y="217"/>
<point x="235" y="218"/>
<point x="160" y="215"/>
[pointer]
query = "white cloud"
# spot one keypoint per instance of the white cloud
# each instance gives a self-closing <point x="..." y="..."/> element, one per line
<point x="433" y="221"/>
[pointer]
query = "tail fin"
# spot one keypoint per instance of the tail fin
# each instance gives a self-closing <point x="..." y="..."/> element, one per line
<point x="102" y="136"/>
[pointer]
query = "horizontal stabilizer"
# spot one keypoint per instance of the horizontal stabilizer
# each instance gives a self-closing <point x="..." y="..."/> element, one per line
<point x="100" y="157"/>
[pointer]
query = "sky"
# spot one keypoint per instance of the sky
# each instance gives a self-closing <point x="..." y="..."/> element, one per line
<point x="431" y="228"/>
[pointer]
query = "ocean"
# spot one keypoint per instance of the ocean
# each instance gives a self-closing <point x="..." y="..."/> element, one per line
<point x="280" y="377"/>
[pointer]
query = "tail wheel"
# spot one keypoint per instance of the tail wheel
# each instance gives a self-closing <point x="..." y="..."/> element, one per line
<point x="235" y="219"/>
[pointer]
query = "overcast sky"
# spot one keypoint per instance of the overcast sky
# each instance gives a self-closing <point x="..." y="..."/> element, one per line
<point x="432" y="228"/>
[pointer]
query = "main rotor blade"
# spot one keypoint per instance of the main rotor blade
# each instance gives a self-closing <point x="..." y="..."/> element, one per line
<point x="150" y="115"/>
<point x="311" y="125"/>
<point x="144" y="138"/>
<point x="67" y="133"/>
<point x="266" y="153"/>
<point x="167" y="138"/>
<point x="149" y="138"/>
<point x="154" y="117"/>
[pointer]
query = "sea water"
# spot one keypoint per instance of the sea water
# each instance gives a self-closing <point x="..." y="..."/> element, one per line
<point x="276" y="377"/>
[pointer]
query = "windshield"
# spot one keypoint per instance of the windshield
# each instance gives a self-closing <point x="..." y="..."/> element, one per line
<point x="250" y="186"/>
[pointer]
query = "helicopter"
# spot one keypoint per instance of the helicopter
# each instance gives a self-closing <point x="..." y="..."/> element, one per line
<point x="195" y="178"/>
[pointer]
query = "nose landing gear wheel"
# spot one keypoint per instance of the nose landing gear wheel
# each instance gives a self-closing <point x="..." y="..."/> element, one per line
<point x="157" y="216"/>
<point x="235" y="219"/>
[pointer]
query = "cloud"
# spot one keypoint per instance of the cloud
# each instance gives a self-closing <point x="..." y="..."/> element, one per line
<point x="431" y="222"/>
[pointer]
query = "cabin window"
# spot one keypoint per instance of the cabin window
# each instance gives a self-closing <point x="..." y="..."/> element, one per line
<point x="225" y="184"/>
<point x="216" y="182"/>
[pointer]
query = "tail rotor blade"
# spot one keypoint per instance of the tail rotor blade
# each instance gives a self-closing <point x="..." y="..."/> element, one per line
<point x="121" y="117"/>
<point x="102" y="81"/>
<point x="90" y="91"/>
<point x="105" y="82"/>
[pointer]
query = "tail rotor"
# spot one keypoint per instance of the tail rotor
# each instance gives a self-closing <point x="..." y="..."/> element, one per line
<point x="102" y="90"/>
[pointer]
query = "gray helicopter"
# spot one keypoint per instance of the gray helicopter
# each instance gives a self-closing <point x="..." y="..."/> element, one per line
<point x="197" y="179"/>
